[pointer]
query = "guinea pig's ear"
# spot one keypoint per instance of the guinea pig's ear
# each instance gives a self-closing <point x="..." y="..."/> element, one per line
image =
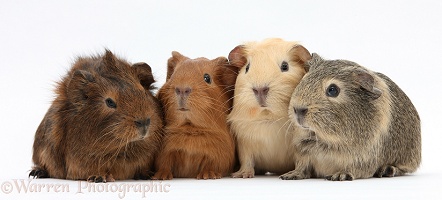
<point x="300" y="55"/>
<point x="314" y="61"/>
<point x="109" y="60"/>
<point x="111" y="64"/>
<point x="144" y="74"/>
<point x="229" y="72"/>
<point x="78" y="86"/>
<point x="366" y="81"/>
<point x="173" y="61"/>
<point x="237" y="56"/>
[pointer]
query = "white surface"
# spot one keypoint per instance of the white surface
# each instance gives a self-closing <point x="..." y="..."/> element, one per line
<point x="40" y="39"/>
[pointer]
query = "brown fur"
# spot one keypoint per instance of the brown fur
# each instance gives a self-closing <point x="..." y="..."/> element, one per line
<point x="370" y="128"/>
<point x="83" y="138"/>
<point x="198" y="143"/>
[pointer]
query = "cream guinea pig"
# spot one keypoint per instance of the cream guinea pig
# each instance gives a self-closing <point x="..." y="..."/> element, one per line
<point x="269" y="72"/>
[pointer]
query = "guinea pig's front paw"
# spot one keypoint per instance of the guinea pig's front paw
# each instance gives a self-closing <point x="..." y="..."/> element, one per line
<point x="39" y="173"/>
<point x="145" y="175"/>
<point x="248" y="173"/>
<point x="293" y="175"/>
<point x="163" y="175"/>
<point x="100" y="179"/>
<point x="208" y="175"/>
<point x="388" y="171"/>
<point x="340" y="176"/>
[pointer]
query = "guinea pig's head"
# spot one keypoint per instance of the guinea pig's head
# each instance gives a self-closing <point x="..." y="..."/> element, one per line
<point x="335" y="100"/>
<point x="197" y="91"/>
<point x="112" y="100"/>
<point x="269" y="72"/>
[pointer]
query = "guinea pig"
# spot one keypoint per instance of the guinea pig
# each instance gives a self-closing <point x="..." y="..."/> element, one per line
<point x="269" y="72"/>
<point x="358" y="123"/>
<point x="196" y="99"/>
<point x="104" y="124"/>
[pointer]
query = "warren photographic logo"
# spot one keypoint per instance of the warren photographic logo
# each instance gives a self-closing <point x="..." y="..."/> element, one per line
<point x="26" y="186"/>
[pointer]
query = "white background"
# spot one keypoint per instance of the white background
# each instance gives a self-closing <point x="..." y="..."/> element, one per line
<point x="39" y="40"/>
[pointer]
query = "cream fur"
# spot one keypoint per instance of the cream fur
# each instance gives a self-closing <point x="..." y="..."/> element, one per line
<point x="261" y="132"/>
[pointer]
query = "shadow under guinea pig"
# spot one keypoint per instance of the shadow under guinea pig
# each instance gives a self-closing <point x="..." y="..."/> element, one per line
<point x="196" y="99"/>
<point x="103" y="125"/>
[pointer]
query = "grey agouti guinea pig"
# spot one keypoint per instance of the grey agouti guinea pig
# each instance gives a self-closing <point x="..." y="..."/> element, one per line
<point x="358" y="124"/>
<point x="104" y="124"/>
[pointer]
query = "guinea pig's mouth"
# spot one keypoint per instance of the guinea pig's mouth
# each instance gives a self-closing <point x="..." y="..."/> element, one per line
<point x="311" y="138"/>
<point x="304" y="126"/>
<point x="301" y="123"/>
<point x="141" y="137"/>
<point x="183" y="109"/>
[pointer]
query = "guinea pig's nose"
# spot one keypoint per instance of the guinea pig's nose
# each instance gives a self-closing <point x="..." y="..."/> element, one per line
<point x="261" y="91"/>
<point x="142" y="123"/>
<point x="301" y="111"/>
<point x="183" y="91"/>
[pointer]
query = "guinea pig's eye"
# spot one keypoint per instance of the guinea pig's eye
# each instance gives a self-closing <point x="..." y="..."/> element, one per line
<point x="284" y="66"/>
<point x="332" y="90"/>
<point x="247" y="67"/>
<point x="207" y="78"/>
<point x="111" y="103"/>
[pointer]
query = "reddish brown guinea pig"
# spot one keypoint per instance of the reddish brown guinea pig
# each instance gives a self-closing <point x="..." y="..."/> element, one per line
<point x="196" y="98"/>
<point x="103" y="125"/>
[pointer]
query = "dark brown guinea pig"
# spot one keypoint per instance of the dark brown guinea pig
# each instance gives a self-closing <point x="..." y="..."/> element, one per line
<point x="104" y="124"/>
<point x="197" y="97"/>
